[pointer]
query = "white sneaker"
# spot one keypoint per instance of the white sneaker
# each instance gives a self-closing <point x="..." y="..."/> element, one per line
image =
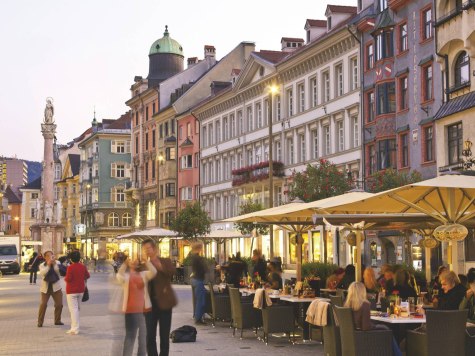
<point x="72" y="332"/>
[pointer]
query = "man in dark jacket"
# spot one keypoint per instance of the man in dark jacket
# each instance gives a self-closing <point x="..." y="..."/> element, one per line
<point x="259" y="265"/>
<point x="163" y="300"/>
<point x="453" y="292"/>
<point x="237" y="268"/>
<point x="199" y="268"/>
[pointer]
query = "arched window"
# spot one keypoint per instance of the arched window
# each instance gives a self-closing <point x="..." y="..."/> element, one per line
<point x="462" y="69"/>
<point x="113" y="219"/>
<point x="127" y="219"/>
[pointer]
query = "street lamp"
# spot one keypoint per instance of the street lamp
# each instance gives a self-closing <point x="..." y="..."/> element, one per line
<point x="88" y="187"/>
<point x="273" y="89"/>
<point x="468" y="160"/>
<point x="159" y="161"/>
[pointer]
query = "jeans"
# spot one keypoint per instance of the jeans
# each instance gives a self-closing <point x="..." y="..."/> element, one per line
<point x="74" y="301"/>
<point x="200" y="298"/>
<point x="164" y="319"/>
<point x="134" y="322"/>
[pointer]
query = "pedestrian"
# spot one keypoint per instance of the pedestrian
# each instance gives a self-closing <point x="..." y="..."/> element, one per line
<point x="76" y="276"/>
<point x="163" y="300"/>
<point x="50" y="287"/>
<point x="199" y="268"/>
<point x="136" y="302"/>
<point x="33" y="266"/>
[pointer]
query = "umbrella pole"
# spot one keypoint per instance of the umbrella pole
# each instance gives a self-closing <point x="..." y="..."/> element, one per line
<point x="299" y="256"/>
<point x="428" y="271"/>
<point x="357" y="256"/>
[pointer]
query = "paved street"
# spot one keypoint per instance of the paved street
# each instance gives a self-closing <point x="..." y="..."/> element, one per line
<point x="19" y="334"/>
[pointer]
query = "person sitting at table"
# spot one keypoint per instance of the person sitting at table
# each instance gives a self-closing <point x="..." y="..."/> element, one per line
<point x="357" y="301"/>
<point x="468" y="301"/>
<point x="335" y="279"/>
<point x="435" y="285"/>
<point x="402" y="286"/>
<point x="274" y="277"/>
<point x="348" y="278"/>
<point x="259" y="265"/>
<point x="369" y="280"/>
<point x="452" y="292"/>
<point x="236" y="269"/>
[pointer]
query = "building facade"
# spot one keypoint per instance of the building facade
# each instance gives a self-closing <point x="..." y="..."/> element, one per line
<point x="31" y="195"/>
<point x="13" y="173"/>
<point x="104" y="173"/>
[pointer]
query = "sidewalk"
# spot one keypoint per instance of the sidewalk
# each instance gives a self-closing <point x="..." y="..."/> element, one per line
<point x="19" y="334"/>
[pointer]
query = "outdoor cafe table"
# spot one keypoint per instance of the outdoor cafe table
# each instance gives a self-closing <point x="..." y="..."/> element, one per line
<point x="399" y="325"/>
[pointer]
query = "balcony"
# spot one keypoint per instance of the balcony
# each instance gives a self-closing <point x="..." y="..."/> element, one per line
<point x="256" y="173"/>
<point x="454" y="13"/>
<point x="395" y="5"/>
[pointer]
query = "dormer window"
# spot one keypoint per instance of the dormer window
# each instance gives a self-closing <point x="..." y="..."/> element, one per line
<point x="261" y="71"/>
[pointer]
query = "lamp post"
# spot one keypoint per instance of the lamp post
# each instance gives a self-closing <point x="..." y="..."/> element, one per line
<point x="159" y="161"/>
<point x="272" y="90"/>
<point x="88" y="187"/>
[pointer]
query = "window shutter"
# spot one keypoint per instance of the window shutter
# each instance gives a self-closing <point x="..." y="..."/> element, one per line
<point x="113" y="146"/>
<point x="127" y="170"/>
<point x="113" y="195"/>
<point x="113" y="170"/>
<point x="127" y="146"/>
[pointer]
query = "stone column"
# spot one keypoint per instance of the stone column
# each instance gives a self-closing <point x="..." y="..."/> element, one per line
<point x="48" y="131"/>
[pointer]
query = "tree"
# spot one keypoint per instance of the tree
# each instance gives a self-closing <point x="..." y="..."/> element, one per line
<point x="389" y="179"/>
<point x="319" y="181"/>
<point x="247" y="207"/>
<point x="191" y="222"/>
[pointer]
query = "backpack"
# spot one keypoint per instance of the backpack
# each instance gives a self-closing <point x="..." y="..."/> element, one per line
<point x="62" y="270"/>
<point x="185" y="333"/>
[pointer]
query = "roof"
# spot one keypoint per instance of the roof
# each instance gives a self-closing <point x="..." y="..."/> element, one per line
<point x="317" y="23"/>
<point x="292" y="39"/>
<point x="166" y="44"/>
<point x="271" y="56"/>
<point x="74" y="161"/>
<point x="122" y="123"/>
<point x="36" y="184"/>
<point x="235" y="71"/>
<point x="344" y="9"/>
<point x="11" y="196"/>
<point x="456" y="105"/>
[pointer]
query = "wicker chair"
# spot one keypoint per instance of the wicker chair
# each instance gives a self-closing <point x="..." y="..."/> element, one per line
<point x="469" y="345"/>
<point x="243" y="315"/>
<point x="331" y="335"/>
<point x="277" y="319"/>
<point x="357" y="343"/>
<point x="220" y="306"/>
<point x="445" y="334"/>
<point x="336" y="300"/>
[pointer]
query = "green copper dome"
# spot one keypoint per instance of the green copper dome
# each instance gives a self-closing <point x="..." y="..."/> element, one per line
<point x="166" y="44"/>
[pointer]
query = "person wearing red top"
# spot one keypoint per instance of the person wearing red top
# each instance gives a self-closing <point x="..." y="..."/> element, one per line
<point x="76" y="276"/>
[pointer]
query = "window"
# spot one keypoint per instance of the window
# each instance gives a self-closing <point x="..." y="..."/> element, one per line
<point x="180" y="132"/>
<point x="301" y="93"/>
<point x="154" y="109"/>
<point x="303" y="149"/>
<point x="386" y="98"/>
<point x="153" y="139"/>
<point x="462" y="69"/>
<point x="326" y="138"/>
<point x="225" y="129"/>
<point x="153" y="170"/>
<point x="259" y="115"/>
<point x="326" y="86"/>
<point x="32" y="213"/>
<point x="119" y="146"/>
<point x="354" y="73"/>
<point x="170" y="189"/>
<point x="170" y="153"/>
<point x="290" y="146"/>
<point x="427" y="89"/>
<point x="146" y="113"/>
<point x="113" y="219"/>
<point x="160" y="130"/>
<point x="240" y="122"/>
<point x="186" y="162"/>
<point x="136" y="144"/>
<point x="226" y="168"/>
<point x="404" y="142"/>
<point x="356" y="131"/>
<point x="278" y="110"/>
<point x="369" y="56"/>
<point x="290" y="102"/>
<point x="403" y="94"/>
<point x="250" y="124"/>
<point x="166" y="129"/>
<point x="370" y="112"/>
<point x="403" y="38"/>
<point x="250" y="158"/>
<point x="387" y="154"/>
<point x="186" y="193"/>
<point x="383" y="5"/>
<point x="218" y="131"/>
<point x="197" y="160"/>
<point x="426" y="24"/>
<point x="339" y="80"/>
<point x="147" y="166"/>
<point x="240" y="160"/>
<point x="57" y="171"/>
<point x="384" y="45"/>
<point x="146" y="141"/>
<point x="119" y="194"/>
<point x="218" y="170"/>
<point x="34" y="195"/>
<point x="210" y="135"/>
<point x="127" y="217"/>
<point x="205" y="175"/>
<point x="118" y="170"/>
<point x="313" y="91"/>
<point x="136" y="118"/>
<point x="278" y="151"/>
<point x="428" y="143"/>
<point x="205" y="136"/>
<point x="233" y="125"/>
<point x="188" y="129"/>
<point x="315" y="143"/>
<point x="455" y="143"/>
<point x="340" y="135"/>
<point x="372" y="159"/>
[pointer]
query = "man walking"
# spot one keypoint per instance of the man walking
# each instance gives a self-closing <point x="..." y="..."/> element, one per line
<point x="50" y="286"/>
<point x="163" y="300"/>
<point x="199" y="268"/>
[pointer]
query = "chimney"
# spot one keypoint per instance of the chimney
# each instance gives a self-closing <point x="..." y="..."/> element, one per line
<point x="192" y="61"/>
<point x="210" y="51"/>
<point x="291" y="44"/>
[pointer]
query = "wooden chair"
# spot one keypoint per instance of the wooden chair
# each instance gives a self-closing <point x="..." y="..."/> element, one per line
<point x="444" y="335"/>
<point x="243" y="315"/>
<point x="356" y="343"/>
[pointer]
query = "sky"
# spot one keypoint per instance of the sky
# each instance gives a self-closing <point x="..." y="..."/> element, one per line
<point x="85" y="54"/>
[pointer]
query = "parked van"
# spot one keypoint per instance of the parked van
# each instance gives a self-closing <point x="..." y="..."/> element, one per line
<point x="10" y="254"/>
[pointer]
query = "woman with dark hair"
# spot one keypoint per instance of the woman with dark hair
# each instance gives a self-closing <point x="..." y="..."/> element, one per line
<point x="34" y="265"/>
<point x="402" y="286"/>
<point x="468" y="301"/>
<point x="274" y="277"/>
<point x="76" y="276"/>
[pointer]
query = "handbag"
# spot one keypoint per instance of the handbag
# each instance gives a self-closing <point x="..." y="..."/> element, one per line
<point x="51" y="276"/>
<point x="85" y="295"/>
<point x="185" y="333"/>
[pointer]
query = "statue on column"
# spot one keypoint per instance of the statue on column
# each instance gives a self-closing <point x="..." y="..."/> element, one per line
<point x="49" y="111"/>
<point x="59" y="208"/>
<point x="48" y="212"/>
<point x="38" y="210"/>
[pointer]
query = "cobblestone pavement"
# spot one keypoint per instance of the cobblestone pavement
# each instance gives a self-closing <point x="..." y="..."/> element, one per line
<point x="100" y="331"/>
